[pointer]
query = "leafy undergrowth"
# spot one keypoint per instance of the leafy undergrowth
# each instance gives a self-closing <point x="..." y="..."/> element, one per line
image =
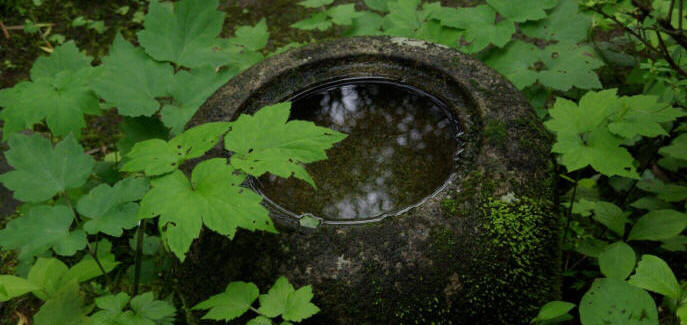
<point x="101" y="227"/>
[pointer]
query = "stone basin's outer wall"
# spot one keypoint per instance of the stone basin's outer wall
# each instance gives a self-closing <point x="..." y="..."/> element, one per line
<point x="485" y="250"/>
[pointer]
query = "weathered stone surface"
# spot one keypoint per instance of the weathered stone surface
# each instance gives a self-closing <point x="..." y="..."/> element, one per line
<point x="483" y="251"/>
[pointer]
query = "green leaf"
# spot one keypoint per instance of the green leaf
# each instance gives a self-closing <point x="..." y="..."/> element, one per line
<point x="111" y="209"/>
<point x="611" y="216"/>
<point x="213" y="197"/>
<point x="368" y="23"/>
<point x="65" y="57"/>
<point x="232" y="303"/>
<point x="655" y="275"/>
<point x="675" y="244"/>
<point x="379" y="5"/>
<point x="481" y="28"/>
<point x="343" y="14"/>
<point x="643" y="115"/>
<point x="65" y="308"/>
<point x="522" y="11"/>
<point x="112" y="307"/>
<point x="677" y="149"/>
<point x="617" y="261"/>
<point x="565" y="23"/>
<point x="47" y="274"/>
<point x="137" y="129"/>
<point x="317" y="21"/>
<point x="260" y="320"/>
<point x="315" y="3"/>
<point x="12" y="286"/>
<point x="298" y="305"/>
<point x="253" y="38"/>
<point x="658" y="225"/>
<point x="570" y="65"/>
<point x="131" y="80"/>
<point x="88" y="268"/>
<point x="41" y="228"/>
<point x="516" y="62"/>
<point x="185" y="35"/>
<point x="190" y="89"/>
<point x="42" y="171"/>
<point x="553" y="310"/>
<point x="284" y="149"/>
<point x="666" y="192"/>
<point x="146" y="307"/>
<point x="157" y="157"/>
<point x="273" y="303"/>
<point x="403" y="18"/>
<point x="614" y="302"/>
<point x="433" y="31"/>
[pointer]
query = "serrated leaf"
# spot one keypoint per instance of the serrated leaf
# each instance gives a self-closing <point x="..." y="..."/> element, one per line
<point x="480" y="25"/>
<point x="190" y="89"/>
<point x="643" y="115"/>
<point x="613" y="301"/>
<point x="12" y="286"/>
<point x="433" y="31"/>
<point x="315" y="3"/>
<point x="41" y="171"/>
<point x="88" y="268"/>
<point x="298" y="305"/>
<point x="565" y="23"/>
<point x="47" y="274"/>
<point x="131" y="80"/>
<point x="379" y="5"/>
<point x="111" y="209"/>
<point x="232" y="303"/>
<point x="65" y="57"/>
<point x="145" y="306"/>
<point x="111" y="305"/>
<point x="677" y="149"/>
<point x="655" y="275"/>
<point x="253" y="38"/>
<point x="403" y="18"/>
<point x="569" y="65"/>
<point x="343" y="14"/>
<point x="522" y="10"/>
<point x="658" y="225"/>
<point x="41" y="228"/>
<point x="284" y="149"/>
<point x="185" y="34"/>
<point x="65" y="308"/>
<point x="138" y="129"/>
<point x="553" y="310"/>
<point x="617" y="261"/>
<point x="260" y="320"/>
<point x="317" y="21"/>
<point x="368" y="23"/>
<point x="273" y="303"/>
<point x="213" y="197"/>
<point x="515" y="62"/>
<point x="157" y="157"/>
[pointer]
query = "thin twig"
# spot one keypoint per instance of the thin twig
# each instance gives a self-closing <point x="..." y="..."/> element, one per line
<point x="666" y="55"/>
<point x="94" y="255"/>
<point x="570" y="208"/>
<point x="670" y="10"/>
<point x="139" y="254"/>
<point x="4" y="30"/>
<point x="21" y="27"/>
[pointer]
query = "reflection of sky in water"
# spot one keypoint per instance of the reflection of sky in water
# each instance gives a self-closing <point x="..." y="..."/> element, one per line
<point x="399" y="150"/>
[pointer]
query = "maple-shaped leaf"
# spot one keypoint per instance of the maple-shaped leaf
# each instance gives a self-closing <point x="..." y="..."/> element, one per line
<point x="65" y="308"/>
<point x="403" y="18"/>
<point x="516" y="62"/>
<point x="522" y="10"/>
<point x="236" y="299"/>
<point x="319" y="21"/>
<point x="190" y="89"/>
<point x="253" y="38"/>
<point x="42" y="171"/>
<point x="315" y="3"/>
<point x="643" y="115"/>
<point x="433" y="31"/>
<point x="59" y="93"/>
<point x="677" y="149"/>
<point x="481" y="28"/>
<point x="367" y="23"/>
<point x="213" y="197"/>
<point x="43" y="227"/>
<point x="110" y="210"/>
<point x="184" y="32"/>
<point x="565" y="23"/>
<point x="130" y="80"/>
<point x="343" y="14"/>
<point x="157" y="156"/>
<point x="283" y="149"/>
<point x="147" y="309"/>
<point x="378" y="5"/>
<point x="260" y="320"/>
<point x="569" y="65"/>
<point x="283" y="299"/>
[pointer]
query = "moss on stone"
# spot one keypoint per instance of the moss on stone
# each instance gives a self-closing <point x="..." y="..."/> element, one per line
<point x="495" y="132"/>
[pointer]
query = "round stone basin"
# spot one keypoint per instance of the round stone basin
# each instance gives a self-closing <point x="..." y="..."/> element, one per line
<point x="401" y="148"/>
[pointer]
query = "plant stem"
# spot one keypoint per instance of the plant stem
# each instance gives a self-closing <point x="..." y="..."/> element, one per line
<point x="139" y="254"/>
<point x="94" y="255"/>
<point x="569" y="212"/>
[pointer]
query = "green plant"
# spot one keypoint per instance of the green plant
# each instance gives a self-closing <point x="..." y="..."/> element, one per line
<point x="92" y="213"/>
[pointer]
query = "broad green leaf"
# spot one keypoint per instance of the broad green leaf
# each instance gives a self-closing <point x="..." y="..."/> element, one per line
<point x="569" y="65"/>
<point x="253" y="38"/>
<point x="343" y="14"/>
<point x="614" y="302"/>
<point x="65" y="308"/>
<point x="315" y="3"/>
<point x="273" y="303"/>
<point x="260" y="320"/>
<point x="677" y="149"/>
<point x="317" y="21"/>
<point x="284" y="149"/>
<point x="41" y="171"/>
<point x="41" y="228"/>
<point x="131" y="80"/>
<point x="111" y="309"/>
<point x="47" y="274"/>
<point x="137" y="129"/>
<point x="88" y="268"/>
<point x="367" y="23"/>
<point x="643" y="115"/>
<point x="516" y="62"/>
<point x="65" y="57"/>
<point x="522" y="10"/>
<point x="157" y="157"/>
<point x="298" y="305"/>
<point x="675" y="244"/>
<point x="185" y="34"/>
<point x="110" y="210"/>
<point x="655" y="275"/>
<point x="403" y="18"/>
<point x="666" y="192"/>
<point x="611" y="216"/>
<point x="650" y="203"/>
<point x="617" y="261"/>
<point x="190" y="89"/>
<point x="232" y="303"/>
<point x="553" y="310"/>
<point x="565" y="23"/>
<point x="214" y="197"/>
<point x="12" y="286"/>
<point x="433" y="31"/>
<point x="480" y="25"/>
<point x="379" y="5"/>
<point x="146" y="307"/>
<point x="658" y="225"/>
<point x="151" y="244"/>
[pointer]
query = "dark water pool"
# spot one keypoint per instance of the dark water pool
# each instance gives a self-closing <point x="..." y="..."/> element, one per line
<point x="401" y="148"/>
